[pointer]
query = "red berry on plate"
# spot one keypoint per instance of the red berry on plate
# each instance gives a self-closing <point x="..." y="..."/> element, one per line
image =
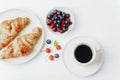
<point x="48" y="50"/>
<point x="58" y="47"/>
<point x="51" y="57"/>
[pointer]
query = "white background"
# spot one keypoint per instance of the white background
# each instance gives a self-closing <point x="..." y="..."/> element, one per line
<point x="94" y="18"/>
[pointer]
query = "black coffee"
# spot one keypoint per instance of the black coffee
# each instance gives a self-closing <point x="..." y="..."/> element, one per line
<point x="83" y="54"/>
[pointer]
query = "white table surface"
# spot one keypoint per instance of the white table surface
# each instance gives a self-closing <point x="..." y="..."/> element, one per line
<point x="99" y="19"/>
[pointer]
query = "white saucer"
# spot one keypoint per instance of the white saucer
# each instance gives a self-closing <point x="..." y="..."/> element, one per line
<point x="73" y="65"/>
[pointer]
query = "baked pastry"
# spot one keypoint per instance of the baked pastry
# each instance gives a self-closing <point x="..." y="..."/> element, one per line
<point x="22" y="45"/>
<point x="10" y="28"/>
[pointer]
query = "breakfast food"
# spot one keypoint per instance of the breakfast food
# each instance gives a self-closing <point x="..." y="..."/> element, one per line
<point x="9" y="29"/>
<point x="48" y="41"/>
<point x="22" y="45"/>
<point x="58" y="47"/>
<point x="57" y="55"/>
<point x="48" y="50"/>
<point x="59" y="21"/>
<point x="53" y="50"/>
<point x="51" y="57"/>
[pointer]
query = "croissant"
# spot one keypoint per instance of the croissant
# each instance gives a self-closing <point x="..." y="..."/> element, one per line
<point x="9" y="29"/>
<point x="22" y="45"/>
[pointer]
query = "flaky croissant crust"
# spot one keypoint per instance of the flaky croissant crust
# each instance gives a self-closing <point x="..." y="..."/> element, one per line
<point x="22" y="45"/>
<point x="9" y="29"/>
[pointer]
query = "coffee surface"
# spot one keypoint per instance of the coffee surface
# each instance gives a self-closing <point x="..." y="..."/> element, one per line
<point x="83" y="53"/>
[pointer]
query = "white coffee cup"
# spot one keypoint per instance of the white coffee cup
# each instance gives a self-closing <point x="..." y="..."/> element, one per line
<point x="95" y="48"/>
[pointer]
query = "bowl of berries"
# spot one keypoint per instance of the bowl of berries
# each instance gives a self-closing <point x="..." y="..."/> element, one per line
<point x="59" y="20"/>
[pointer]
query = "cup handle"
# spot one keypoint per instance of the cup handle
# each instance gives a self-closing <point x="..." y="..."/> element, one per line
<point x="98" y="47"/>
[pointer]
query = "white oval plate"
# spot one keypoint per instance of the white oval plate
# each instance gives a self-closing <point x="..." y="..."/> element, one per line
<point x="35" y="22"/>
<point x="72" y="64"/>
<point x="71" y="17"/>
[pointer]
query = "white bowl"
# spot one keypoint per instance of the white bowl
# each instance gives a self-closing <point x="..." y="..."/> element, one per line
<point x="71" y="17"/>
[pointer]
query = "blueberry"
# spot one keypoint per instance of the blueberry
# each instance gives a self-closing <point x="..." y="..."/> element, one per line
<point x="61" y="31"/>
<point x="57" y="25"/>
<point x="56" y="18"/>
<point x="48" y="23"/>
<point x="54" y="29"/>
<point x="49" y="17"/>
<point x="61" y="17"/>
<point x="48" y="41"/>
<point x="57" y="55"/>
<point x="55" y="11"/>
<point x="67" y="15"/>
<point x="55" y="21"/>
<point x="66" y="22"/>
<point x="64" y="25"/>
<point x="64" y="29"/>
<point x="63" y="14"/>
<point x="58" y="21"/>
<point x="70" y="23"/>
<point x="59" y="12"/>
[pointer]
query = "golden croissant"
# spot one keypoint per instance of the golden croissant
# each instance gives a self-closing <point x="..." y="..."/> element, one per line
<point x="9" y="29"/>
<point x="22" y="45"/>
